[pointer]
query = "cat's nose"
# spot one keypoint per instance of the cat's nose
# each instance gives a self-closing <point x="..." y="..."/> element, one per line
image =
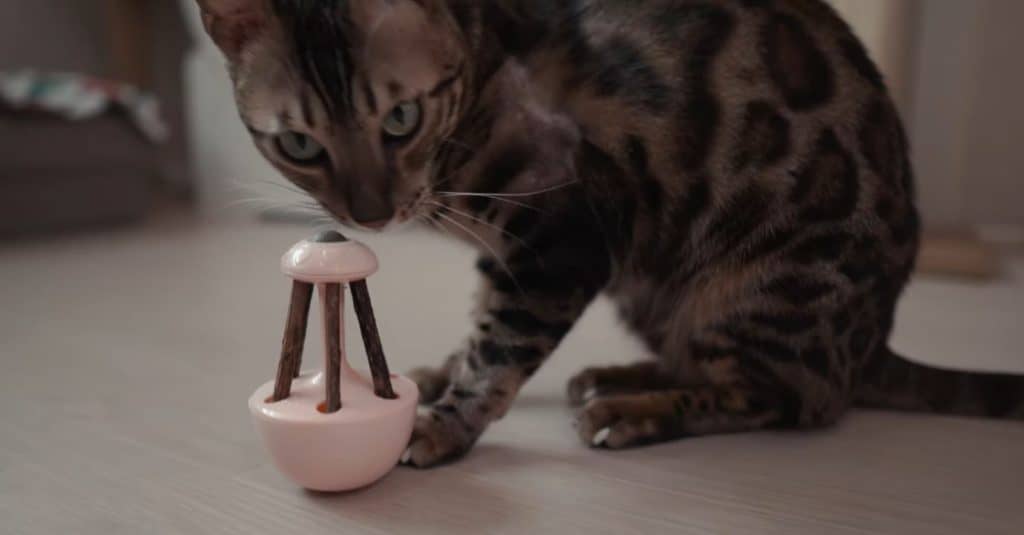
<point x="369" y="189"/>
<point x="371" y="210"/>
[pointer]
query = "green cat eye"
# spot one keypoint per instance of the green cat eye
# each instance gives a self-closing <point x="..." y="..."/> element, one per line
<point x="299" y="148"/>
<point x="403" y="120"/>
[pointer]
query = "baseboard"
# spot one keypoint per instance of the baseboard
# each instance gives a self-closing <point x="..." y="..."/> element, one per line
<point x="961" y="254"/>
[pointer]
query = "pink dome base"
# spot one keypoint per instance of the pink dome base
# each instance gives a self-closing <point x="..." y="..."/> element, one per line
<point x="349" y="449"/>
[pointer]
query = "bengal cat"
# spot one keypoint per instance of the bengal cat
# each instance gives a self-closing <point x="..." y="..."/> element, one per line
<point x="732" y="173"/>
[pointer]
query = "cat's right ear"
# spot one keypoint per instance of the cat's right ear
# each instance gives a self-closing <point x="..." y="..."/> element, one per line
<point x="232" y="24"/>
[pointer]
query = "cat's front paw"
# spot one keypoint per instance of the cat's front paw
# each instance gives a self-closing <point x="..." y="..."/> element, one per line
<point x="617" y="423"/>
<point x="434" y="440"/>
<point x="582" y="387"/>
<point x="432" y="383"/>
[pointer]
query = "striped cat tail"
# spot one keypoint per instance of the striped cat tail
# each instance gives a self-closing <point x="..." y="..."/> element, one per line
<point x="893" y="382"/>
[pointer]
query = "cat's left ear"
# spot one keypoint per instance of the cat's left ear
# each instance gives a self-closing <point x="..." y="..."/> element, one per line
<point x="233" y="23"/>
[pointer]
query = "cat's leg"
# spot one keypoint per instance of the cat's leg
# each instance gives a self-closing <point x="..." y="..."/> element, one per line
<point x="521" y="316"/>
<point x="636" y="377"/>
<point x="772" y="395"/>
<point x="763" y="362"/>
<point x="433" y="382"/>
<point x="627" y="420"/>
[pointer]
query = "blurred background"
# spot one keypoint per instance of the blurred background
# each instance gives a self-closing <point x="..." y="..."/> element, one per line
<point x="140" y="233"/>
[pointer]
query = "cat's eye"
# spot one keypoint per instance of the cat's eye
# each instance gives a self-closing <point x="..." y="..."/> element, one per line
<point x="403" y="120"/>
<point x="299" y="148"/>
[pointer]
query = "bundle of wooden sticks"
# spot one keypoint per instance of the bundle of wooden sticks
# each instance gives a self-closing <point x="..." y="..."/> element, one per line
<point x="295" y="335"/>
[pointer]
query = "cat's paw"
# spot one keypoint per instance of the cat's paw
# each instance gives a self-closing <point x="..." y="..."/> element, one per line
<point x="434" y="440"/>
<point x="614" y="423"/>
<point x="432" y="383"/>
<point x="582" y="387"/>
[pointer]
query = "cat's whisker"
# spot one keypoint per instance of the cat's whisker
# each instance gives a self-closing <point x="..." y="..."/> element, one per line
<point x="249" y="185"/>
<point x="492" y="197"/>
<point x="285" y="186"/>
<point x="253" y="201"/>
<point x="260" y="198"/>
<point x="483" y="242"/>
<point x="525" y="194"/>
<point x="483" y="222"/>
<point x="431" y="223"/>
<point x="437" y="225"/>
<point x="261" y="203"/>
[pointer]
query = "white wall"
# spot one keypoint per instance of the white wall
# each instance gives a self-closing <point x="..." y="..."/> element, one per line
<point x="954" y="67"/>
<point x="968" y="120"/>
<point x="888" y="29"/>
<point x="228" y="167"/>
<point x="993" y="173"/>
<point x="941" y="109"/>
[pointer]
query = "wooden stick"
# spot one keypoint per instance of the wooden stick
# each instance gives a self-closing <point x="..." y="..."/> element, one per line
<point x="294" y="339"/>
<point x="306" y="296"/>
<point x="371" y="340"/>
<point x="332" y="322"/>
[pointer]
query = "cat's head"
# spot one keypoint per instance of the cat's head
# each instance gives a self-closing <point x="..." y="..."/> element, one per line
<point x="349" y="99"/>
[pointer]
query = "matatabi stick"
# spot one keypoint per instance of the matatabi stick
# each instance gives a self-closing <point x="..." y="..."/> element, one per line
<point x="371" y="340"/>
<point x="294" y="339"/>
<point x="332" y="323"/>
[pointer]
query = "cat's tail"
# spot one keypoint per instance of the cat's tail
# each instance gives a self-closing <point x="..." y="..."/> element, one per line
<point x="893" y="382"/>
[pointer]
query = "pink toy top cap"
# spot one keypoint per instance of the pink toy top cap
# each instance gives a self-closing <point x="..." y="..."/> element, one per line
<point x="329" y="258"/>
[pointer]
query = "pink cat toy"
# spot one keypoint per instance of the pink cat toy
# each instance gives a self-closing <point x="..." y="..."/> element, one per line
<point x="333" y="430"/>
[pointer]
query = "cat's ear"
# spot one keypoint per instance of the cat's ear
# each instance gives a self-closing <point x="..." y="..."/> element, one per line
<point x="233" y="23"/>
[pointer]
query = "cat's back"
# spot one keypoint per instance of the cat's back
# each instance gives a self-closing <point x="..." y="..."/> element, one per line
<point x="799" y="50"/>
<point x="743" y="125"/>
<point x="698" y="70"/>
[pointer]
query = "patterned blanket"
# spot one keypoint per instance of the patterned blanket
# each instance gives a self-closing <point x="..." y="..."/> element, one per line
<point x="77" y="97"/>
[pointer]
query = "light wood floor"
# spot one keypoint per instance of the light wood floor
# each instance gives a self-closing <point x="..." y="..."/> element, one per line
<point x="126" y="359"/>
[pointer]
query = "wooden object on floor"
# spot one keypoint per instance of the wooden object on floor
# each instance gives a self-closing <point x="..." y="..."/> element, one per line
<point x="319" y="261"/>
<point x="294" y="339"/>
<point x="371" y="340"/>
<point x="332" y="328"/>
<point x="960" y="255"/>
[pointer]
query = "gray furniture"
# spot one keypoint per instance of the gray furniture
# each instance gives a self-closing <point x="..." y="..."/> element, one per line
<point x="58" y="175"/>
